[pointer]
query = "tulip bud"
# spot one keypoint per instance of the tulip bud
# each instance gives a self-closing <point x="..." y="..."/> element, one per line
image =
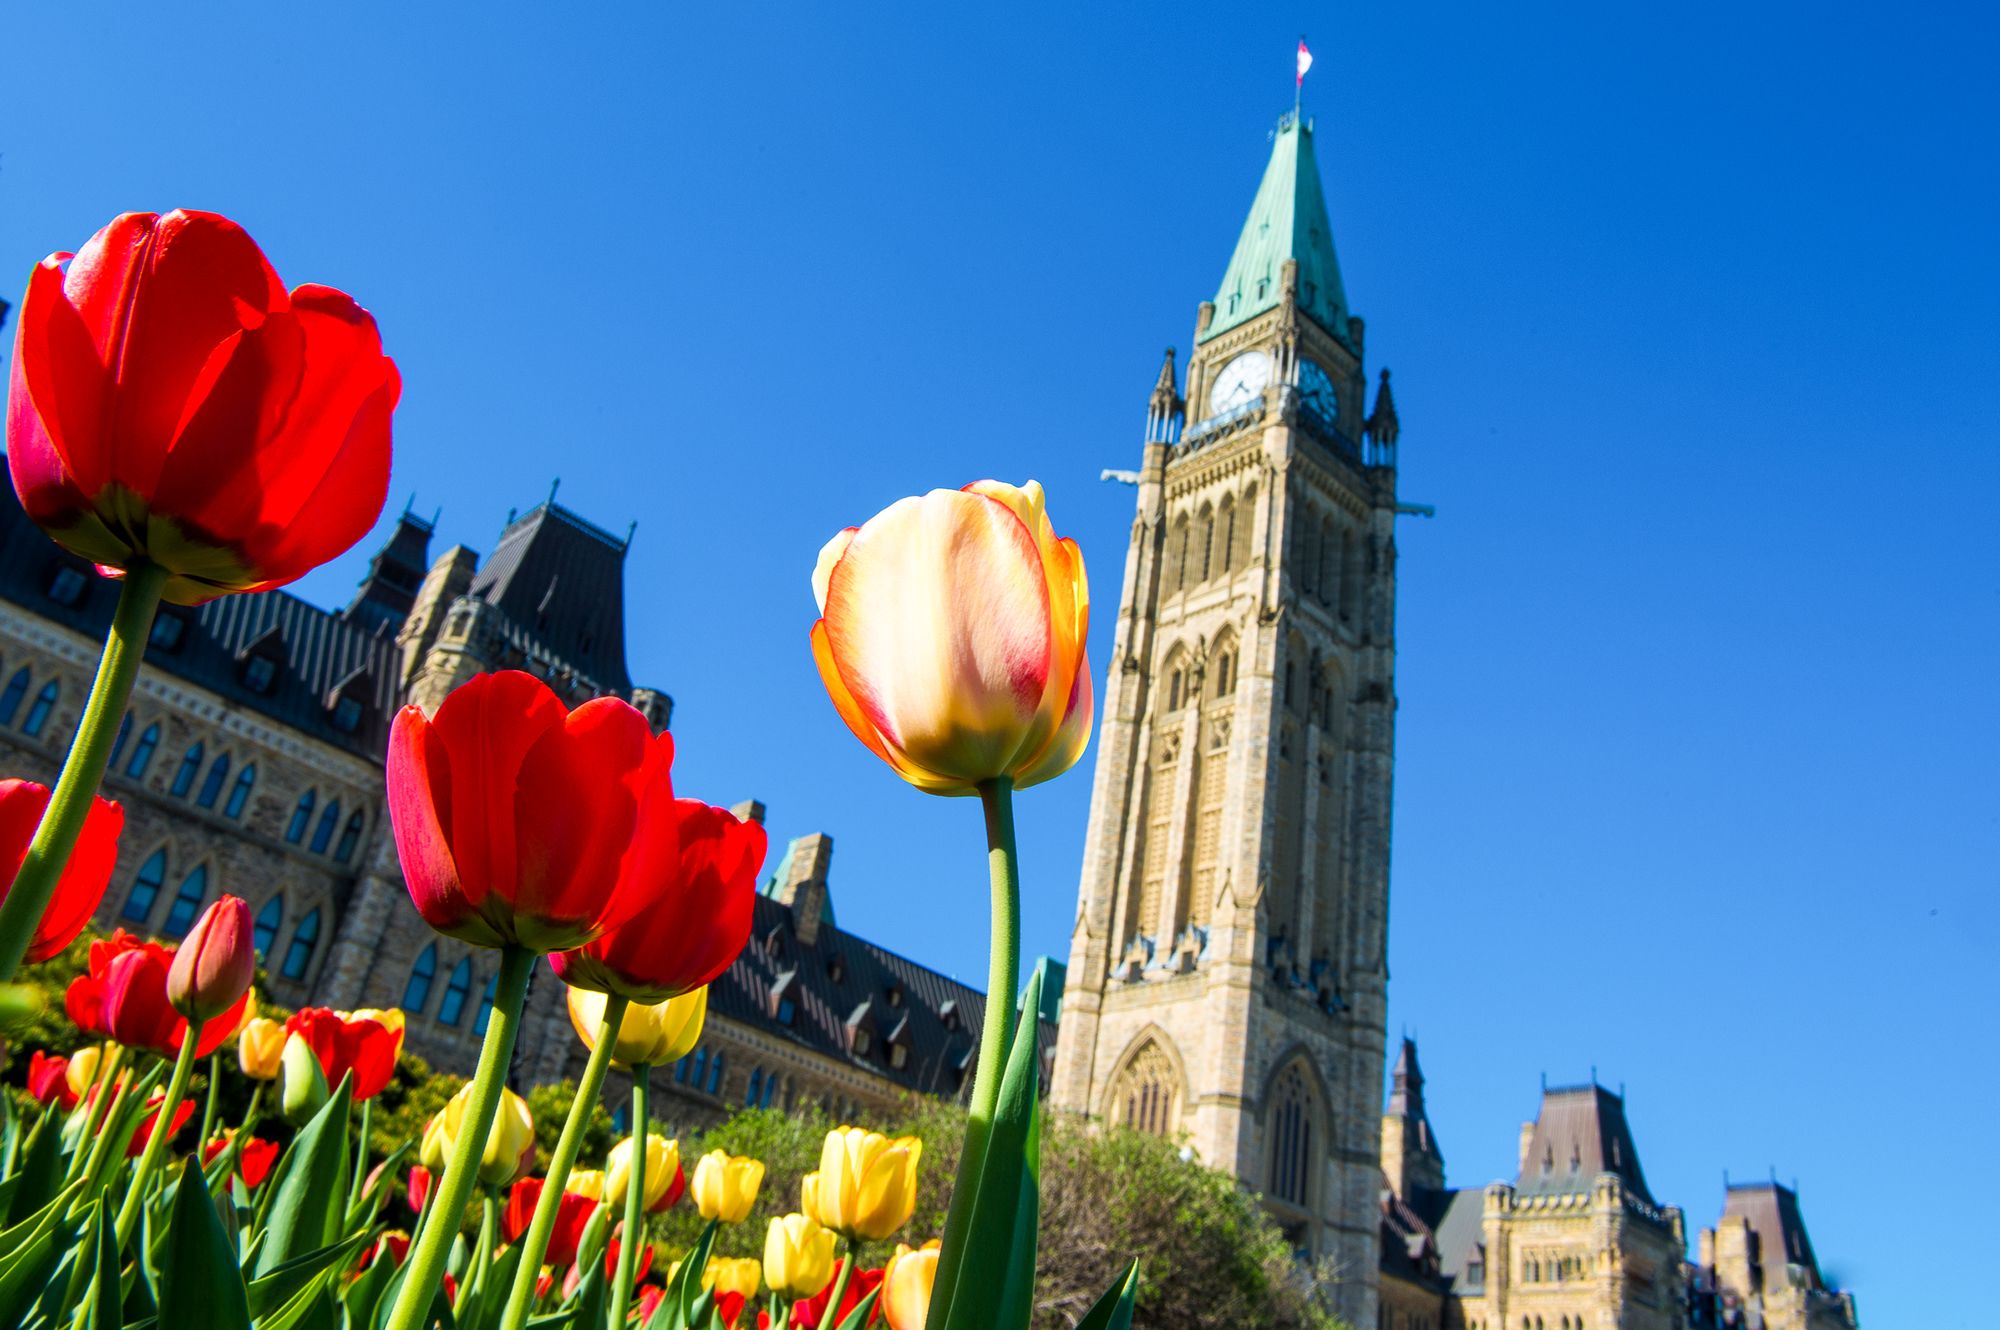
<point x="651" y="1034"/>
<point x="418" y="1188"/>
<point x="586" y="1182"/>
<point x="906" y="1285"/>
<point x="510" y="1143"/>
<point x="728" y="1274"/>
<point x="301" y="1086"/>
<point x="798" y="1256"/>
<point x="867" y="1182"/>
<point x="664" y="1180"/>
<point x="48" y="1081"/>
<point x="82" y="1071"/>
<point x="215" y="963"/>
<point x="260" y="1049"/>
<point x="725" y="1186"/>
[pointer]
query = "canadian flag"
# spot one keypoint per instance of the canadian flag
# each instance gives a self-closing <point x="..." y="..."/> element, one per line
<point x="1305" y="62"/>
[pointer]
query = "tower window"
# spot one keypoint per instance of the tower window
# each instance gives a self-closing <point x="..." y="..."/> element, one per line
<point x="1291" y="1139"/>
<point x="1223" y="666"/>
<point x="1174" y="691"/>
<point x="38" y="712"/>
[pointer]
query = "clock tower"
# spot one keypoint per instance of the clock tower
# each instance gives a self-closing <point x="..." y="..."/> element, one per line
<point x="1227" y="975"/>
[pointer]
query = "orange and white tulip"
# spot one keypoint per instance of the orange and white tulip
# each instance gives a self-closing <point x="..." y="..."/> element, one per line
<point x="951" y="638"/>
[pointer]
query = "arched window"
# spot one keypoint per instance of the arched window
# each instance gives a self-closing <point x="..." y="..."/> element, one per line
<point x="1145" y="1095"/>
<point x="1224" y="667"/>
<point x="299" y="954"/>
<point x="756" y="1090"/>
<point x="1307" y="570"/>
<point x="1246" y="518"/>
<point x="1204" y="547"/>
<point x="715" y="1073"/>
<point x="265" y="931"/>
<point x="301" y="817"/>
<point x="1174" y="691"/>
<point x="211" y="785"/>
<point x="1291" y="1136"/>
<point x="1177" y="557"/>
<point x="146" y="888"/>
<point x="486" y="1005"/>
<point x="142" y="754"/>
<point x="38" y="712"/>
<point x="239" y="793"/>
<point x="456" y="990"/>
<point x="1350" y="578"/>
<point x="1225" y="523"/>
<point x="323" y="833"/>
<point x="417" y="992"/>
<point x="187" y="902"/>
<point x="190" y="767"/>
<point x="10" y="697"/>
<point x="698" y="1068"/>
<point x="770" y="1089"/>
<point x="118" y="744"/>
<point x="350" y="836"/>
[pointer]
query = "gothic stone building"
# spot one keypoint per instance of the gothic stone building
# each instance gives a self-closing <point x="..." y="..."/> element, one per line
<point x="250" y="762"/>
<point x="1226" y="973"/>
<point x="1577" y="1241"/>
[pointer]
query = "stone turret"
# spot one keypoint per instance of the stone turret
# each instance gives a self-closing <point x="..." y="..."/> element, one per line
<point x="1410" y="1156"/>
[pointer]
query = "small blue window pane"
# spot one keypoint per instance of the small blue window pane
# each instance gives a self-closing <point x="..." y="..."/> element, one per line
<point x="142" y="756"/>
<point x="146" y="888"/>
<point x="300" y="953"/>
<point x="756" y="1090"/>
<point x="265" y="931"/>
<point x="301" y="817"/>
<point x="118" y="744"/>
<point x="211" y="784"/>
<point x="486" y="1006"/>
<point x="239" y="793"/>
<point x="350" y="836"/>
<point x="10" y="697"/>
<point x="187" y="902"/>
<point x="323" y="833"/>
<point x="417" y="993"/>
<point x="456" y="992"/>
<point x="38" y="714"/>
<point x="715" y="1074"/>
<point x="190" y="767"/>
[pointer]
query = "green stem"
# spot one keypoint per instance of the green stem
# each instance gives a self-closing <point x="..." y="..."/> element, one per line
<point x="425" y="1270"/>
<point x="543" y="1226"/>
<point x="828" y="1317"/>
<point x="1003" y="974"/>
<point x="635" y="1199"/>
<point x="361" y="1154"/>
<point x="83" y="770"/>
<point x="482" y="1252"/>
<point x="101" y="1131"/>
<point x="156" y="1145"/>
<point x="208" y="1109"/>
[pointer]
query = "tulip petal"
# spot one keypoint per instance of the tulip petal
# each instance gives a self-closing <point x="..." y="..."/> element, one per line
<point x="420" y="806"/>
<point x="60" y="392"/>
<point x="487" y="728"/>
<point x="938" y="619"/>
<point x="829" y="555"/>
<point x="1067" y="746"/>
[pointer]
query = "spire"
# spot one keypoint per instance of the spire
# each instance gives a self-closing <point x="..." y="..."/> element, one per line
<point x="1381" y="424"/>
<point x="1287" y="221"/>
<point x="1406" y="1098"/>
<point x="1164" y="408"/>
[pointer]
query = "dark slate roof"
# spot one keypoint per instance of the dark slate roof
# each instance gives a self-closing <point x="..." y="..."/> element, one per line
<point x="561" y="580"/>
<point x="840" y="982"/>
<point x="395" y="574"/>
<point x="1409" y="1247"/>
<point x="1456" y="1218"/>
<point x="1580" y="1133"/>
<point x="1773" y="1213"/>
<point x="318" y="654"/>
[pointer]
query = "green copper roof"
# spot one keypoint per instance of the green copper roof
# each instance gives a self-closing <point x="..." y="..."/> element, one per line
<point x="1287" y="221"/>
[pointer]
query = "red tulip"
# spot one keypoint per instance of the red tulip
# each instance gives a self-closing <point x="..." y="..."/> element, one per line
<point x="650" y="1298"/>
<point x="394" y="1241"/>
<point x="172" y="404"/>
<point x="729" y="1306"/>
<point x="695" y="925"/>
<point x="215" y="962"/>
<point x="84" y="877"/>
<point x="144" y="1135"/>
<point x="520" y="823"/>
<point x="807" y="1312"/>
<point x="48" y="1081"/>
<point x="418" y="1188"/>
<point x="575" y="1275"/>
<point x="84" y="999"/>
<point x="573" y="1214"/>
<point x="350" y="1041"/>
<point x="253" y="1164"/>
<point x="135" y="1008"/>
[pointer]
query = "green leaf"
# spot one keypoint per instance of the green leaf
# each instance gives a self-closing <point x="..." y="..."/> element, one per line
<point x="270" y="1291"/>
<point x="107" y="1290"/>
<point x="362" y="1295"/>
<point x="307" y="1207"/>
<point x="996" y="1265"/>
<point x="34" y="1251"/>
<point x="311" y="1308"/>
<point x="864" y="1308"/>
<point x="40" y="1173"/>
<point x="490" y="1298"/>
<point x="370" y="1200"/>
<point x="676" y="1309"/>
<point x="199" y="1282"/>
<point x="1113" y="1311"/>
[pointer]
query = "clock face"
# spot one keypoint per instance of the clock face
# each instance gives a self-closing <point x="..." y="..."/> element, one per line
<point x="1317" y="388"/>
<point x="1240" y="381"/>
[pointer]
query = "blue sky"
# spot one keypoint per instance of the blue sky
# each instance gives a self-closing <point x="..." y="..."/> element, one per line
<point x="1691" y="314"/>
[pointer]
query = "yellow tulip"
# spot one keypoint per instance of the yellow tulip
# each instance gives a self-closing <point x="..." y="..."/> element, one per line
<point x="81" y="1073"/>
<point x="663" y="1168"/>
<point x="391" y="1020"/>
<point x="798" y="1256"/>
<point x="586" y="1182"/>
<point x="867" y="1182"/>
<point x="260" y="1049"/>
<point x="510" y="1145"/>
<point x="727" y="1274"/>
<point x="725" y="1185"/>
<point x="650" y="1034"/>
<point x="951" y="638"/>
<point x="809" y="1194"/>
<point x="906" y="1285"/>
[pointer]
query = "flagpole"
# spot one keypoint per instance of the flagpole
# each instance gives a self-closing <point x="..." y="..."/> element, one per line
<point x="1298" y="85"/>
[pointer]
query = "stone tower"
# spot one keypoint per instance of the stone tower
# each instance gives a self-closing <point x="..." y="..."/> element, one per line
<point x="1226" y="978"/>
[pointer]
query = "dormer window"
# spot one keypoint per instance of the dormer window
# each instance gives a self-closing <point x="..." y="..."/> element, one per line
<point x="899" y="1056"/>
<point x="257" y="663"/>
<point x="1263" y="285"/>
<point x="347" y="703"/>
<point x="788" y="1011"/>
<point x="168" y="630"/>
<point x="259" y="673"/>
<point x="894" y="995"/>
<point x="836" y="969"/>
<point x="347" y="715"/>
<point x="861" y="1042"/>
<point x="948" y="1014"/>
<point x="67" y="587"/>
